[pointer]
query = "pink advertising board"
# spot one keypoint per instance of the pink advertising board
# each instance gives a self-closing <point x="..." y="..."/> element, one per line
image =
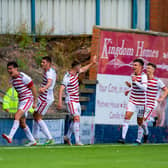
<point x="117" y="50"/>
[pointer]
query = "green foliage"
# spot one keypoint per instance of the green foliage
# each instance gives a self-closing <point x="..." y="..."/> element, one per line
<point x="6" y="40"/>
<point x="41" y="51"/>
<point x="22" y="63"/>
<point x="24" y="39"/>
<point x="4" y="81"/>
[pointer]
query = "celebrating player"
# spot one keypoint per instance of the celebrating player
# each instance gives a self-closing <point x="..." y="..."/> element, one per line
<point x="137" y="100"/>
<point x="71" y="85"/>
<point x="27" y="97"/>
<point x="154" y="87"/>
<point x="45" y="100"/>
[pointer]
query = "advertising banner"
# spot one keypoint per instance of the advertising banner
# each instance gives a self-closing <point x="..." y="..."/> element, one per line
<point x="87" y="130"/>
<point x="117" y="50"/>
<point x="56" y="128"/>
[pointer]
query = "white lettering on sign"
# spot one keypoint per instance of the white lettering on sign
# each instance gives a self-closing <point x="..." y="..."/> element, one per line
<point x="141" y="52"/>
<point x="109" y="49"/>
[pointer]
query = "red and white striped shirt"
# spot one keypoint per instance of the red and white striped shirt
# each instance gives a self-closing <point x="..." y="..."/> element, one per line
<point x="138" y="91"/>
<point x="22" y="84"/>
<point x="71" y="84"/>
<point x="49" y="93"/>
<point x="153" y="91"/>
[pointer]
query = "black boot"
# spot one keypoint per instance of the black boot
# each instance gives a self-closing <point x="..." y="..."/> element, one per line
<point x="145" y="138"/>
<point x="121" y="141"/>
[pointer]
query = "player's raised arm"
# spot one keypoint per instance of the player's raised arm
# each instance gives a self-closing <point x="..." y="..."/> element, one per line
<point x="87" y="67"/>
<point x="62" y="87"/>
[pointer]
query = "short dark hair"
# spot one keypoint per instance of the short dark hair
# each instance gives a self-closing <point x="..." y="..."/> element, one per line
<point x="75" y="63"/>
<point x="152" y="65"/>
<point x="47" y="58"/>
<point x="12" y="63"/>
<point x="139" y="61"/>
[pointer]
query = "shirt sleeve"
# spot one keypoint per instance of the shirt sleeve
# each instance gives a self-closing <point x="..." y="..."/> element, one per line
<point x="161" y="85"/>
<point x="49" y="74"/>
<point x="27" y="80"/>
<point x="144" y="79"/>
<point x="143" y="84"/>
<point x="65" y="81"/>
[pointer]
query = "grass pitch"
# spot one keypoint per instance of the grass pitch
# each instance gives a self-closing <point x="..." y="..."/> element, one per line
<point x="93" y="156"/>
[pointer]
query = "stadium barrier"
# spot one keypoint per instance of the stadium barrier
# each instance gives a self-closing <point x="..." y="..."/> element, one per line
<point x="56" y="127"/>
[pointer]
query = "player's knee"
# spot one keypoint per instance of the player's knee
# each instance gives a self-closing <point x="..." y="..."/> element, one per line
<point x="140" y="121"/>
<point x="19" y="114"/>
<point x="76" y="118"/>
<point x="37" y="119"/>
<point x="36" y="116"/>
<point x="22" y="123"/>
<point x="127" y="117"/>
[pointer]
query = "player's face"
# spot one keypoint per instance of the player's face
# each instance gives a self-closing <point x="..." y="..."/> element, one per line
<point x="137" y="67"/>
<point x="44" y="64"/>
<point x="150" y="70"/>
<point x="12" y="71"/>
<point x="77" y="68"/>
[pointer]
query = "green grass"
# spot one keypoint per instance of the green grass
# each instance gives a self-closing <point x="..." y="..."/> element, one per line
<point x="93" y="156"/>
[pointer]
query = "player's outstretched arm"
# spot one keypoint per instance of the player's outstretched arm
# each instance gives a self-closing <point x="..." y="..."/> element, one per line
<point x="87" y="67"/>
<point x="34" y="92"/>
<point x="62" y="87"/>
<point x="164" y="95"/>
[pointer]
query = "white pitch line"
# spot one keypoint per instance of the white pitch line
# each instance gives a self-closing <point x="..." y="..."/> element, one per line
<point x="42" y="147"/>
<point x="85" y="146"/>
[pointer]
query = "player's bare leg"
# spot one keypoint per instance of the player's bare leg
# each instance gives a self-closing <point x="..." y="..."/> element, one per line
<point x="125" y="126"/>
